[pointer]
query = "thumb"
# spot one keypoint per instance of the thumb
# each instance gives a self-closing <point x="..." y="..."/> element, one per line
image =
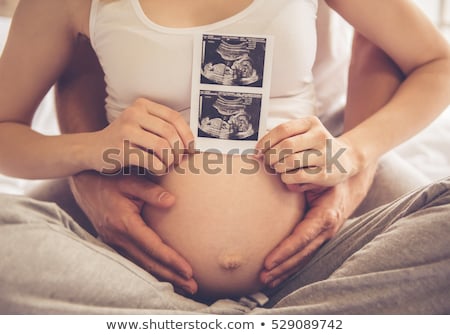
<point x="147" y="191"/>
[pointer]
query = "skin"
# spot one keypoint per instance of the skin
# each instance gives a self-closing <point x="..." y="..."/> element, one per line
<point x="114" y="203"/>
<point x="423" y="59"/>
<point x="329" y="207"/>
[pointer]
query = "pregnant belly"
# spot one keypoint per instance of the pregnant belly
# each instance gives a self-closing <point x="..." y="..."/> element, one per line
<point x="229" y="214"/>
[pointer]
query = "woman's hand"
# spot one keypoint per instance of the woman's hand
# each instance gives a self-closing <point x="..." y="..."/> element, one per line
<point x="146" y="134"/>
<point x="328" y="210"/>
<point x="305" y="154"/>
<point x="113" y="204"/>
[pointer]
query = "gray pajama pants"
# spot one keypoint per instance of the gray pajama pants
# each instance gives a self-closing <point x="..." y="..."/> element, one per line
<point x="394" y="259"/>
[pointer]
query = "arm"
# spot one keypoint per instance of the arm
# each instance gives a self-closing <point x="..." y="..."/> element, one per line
<point x="423" y="58"/>
<point x="114" y="203"/>
<point x="38" y="48"/>
<point x="37" y="51"/>
<point x="373" y="79"/>
<point x="80" y="92"/>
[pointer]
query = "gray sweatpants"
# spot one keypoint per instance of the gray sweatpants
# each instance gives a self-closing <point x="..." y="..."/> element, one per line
<point x="394" y="259"/>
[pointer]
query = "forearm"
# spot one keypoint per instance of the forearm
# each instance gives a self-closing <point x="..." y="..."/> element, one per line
<point x="38" y="49"/>
<point x="27" y="154"/>
<point x="420" y="99"/>
<point x="79" y="98"/>
<point x="80" y="93"/>
<point x="372" y="81"/>
<point x="422" y="54"/>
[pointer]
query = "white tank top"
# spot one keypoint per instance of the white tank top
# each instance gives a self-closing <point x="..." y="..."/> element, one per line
<point x="334" y="40"/>
<point x="143" y="59"/>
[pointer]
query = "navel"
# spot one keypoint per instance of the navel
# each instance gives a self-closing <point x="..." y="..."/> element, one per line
<point x="231" y="260"/>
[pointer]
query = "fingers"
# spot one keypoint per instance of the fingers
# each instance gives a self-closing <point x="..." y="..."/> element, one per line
<point x="150" y="135"/>
<point x="153" y="246"/>
<point x="304" y="233"/>
<point x="147" y="191"/>
<point x="133" y="155"/>
<point x="295" y="251"/>
<point x="311" y="159"/>
<point x="160" y="270"/>
<point x="283" y="132"/>
<point x="157" y="159"/>
<point x="294" y="145"/>
<point x="311" y="175"/>
<point x="144" y="246"/>
<point x="114" y="207"/>
<point x="300" y="188"/>
<point x="285" y="269"/>
<point x="306" y="149"/>
<point x="172" y="117"/>
<point x="163" y="129"/>
<point x="304" y="152"/>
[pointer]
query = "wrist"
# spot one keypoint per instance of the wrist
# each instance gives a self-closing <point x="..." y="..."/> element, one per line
<point x="71" y="152"/>
<point x="90" y="154"/>
<point x="361" y="153"/>
<point x="82" y="177"/>
<point x="84" y="181"/>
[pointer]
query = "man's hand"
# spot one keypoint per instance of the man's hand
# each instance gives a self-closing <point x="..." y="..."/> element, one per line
<point x="328" y="208"/>
<point x="113" y="204"/>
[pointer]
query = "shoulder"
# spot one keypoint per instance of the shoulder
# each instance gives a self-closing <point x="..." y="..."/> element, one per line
<point x="79" y="13"/>
<point x="72" y="15"/>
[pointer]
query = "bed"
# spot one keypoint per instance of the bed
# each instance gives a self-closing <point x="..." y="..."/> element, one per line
<point x="428" y="151"/>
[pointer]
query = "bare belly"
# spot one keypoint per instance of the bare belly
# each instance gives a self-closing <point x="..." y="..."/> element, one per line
<point x="227" y="217"/>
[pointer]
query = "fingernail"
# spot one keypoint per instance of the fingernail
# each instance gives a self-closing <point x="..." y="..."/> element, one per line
<point x="268" y="280"/>
<point x="274" y="283"/>
<point x="191" y="148"/>
<point x="188" y="289"/>
<point x="165" y="196"/>
<point x="259" y="153"/>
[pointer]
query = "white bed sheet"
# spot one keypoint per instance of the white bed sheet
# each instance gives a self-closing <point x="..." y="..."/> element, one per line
<point x="429" y="151"/>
